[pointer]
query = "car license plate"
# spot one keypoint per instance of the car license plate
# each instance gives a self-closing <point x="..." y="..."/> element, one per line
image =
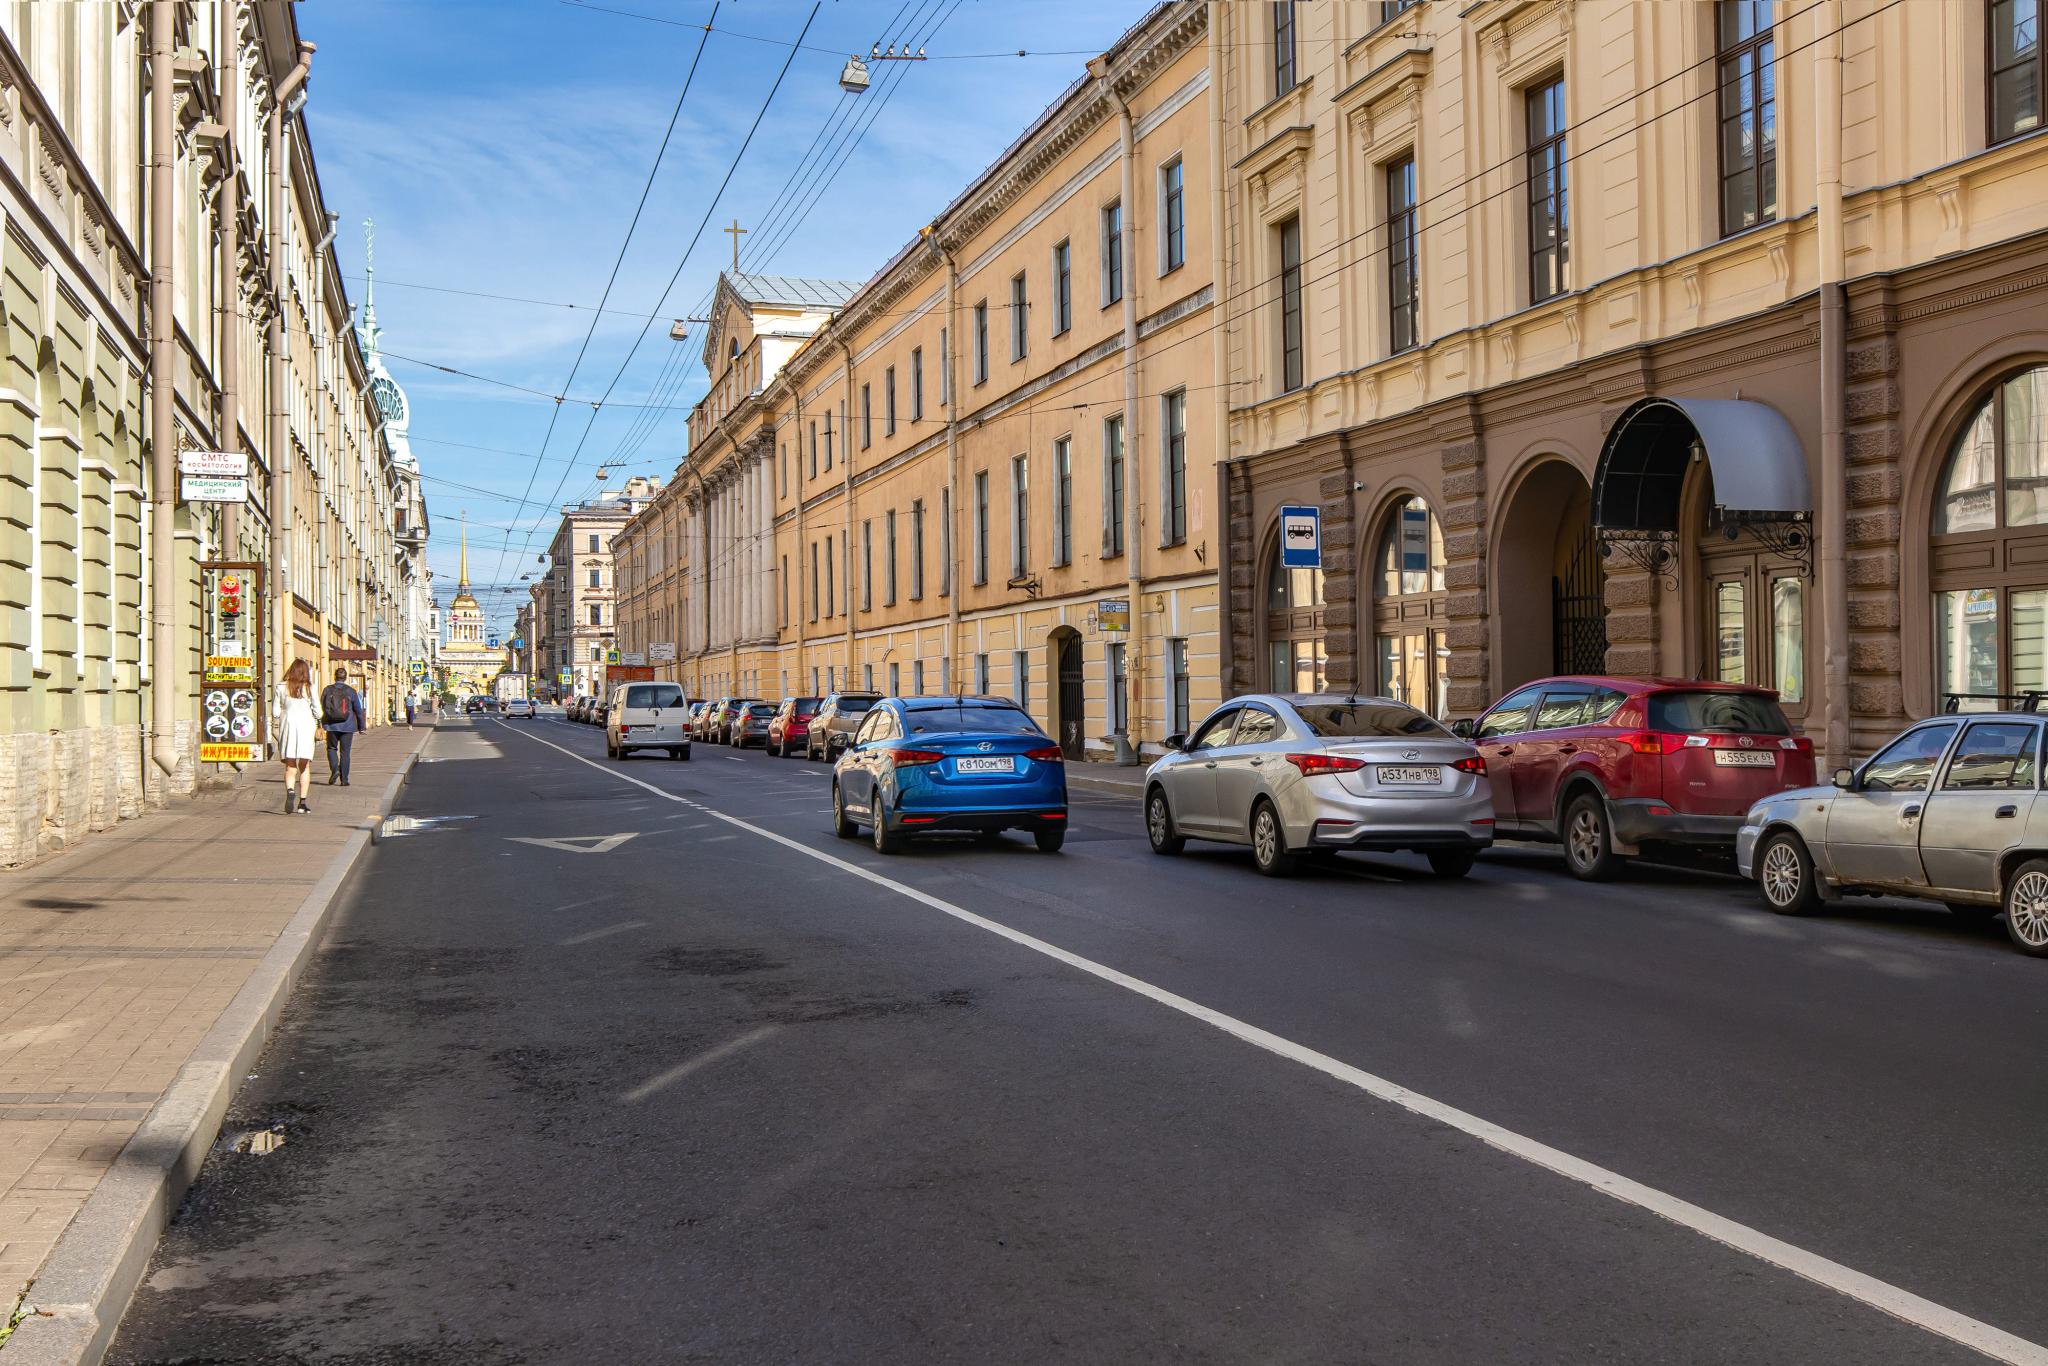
<point x="1411" y="775"/>
<point x="1745" y="758"/>
<point x="1004" y="764"/>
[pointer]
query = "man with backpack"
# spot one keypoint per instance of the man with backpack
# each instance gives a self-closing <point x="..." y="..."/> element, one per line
<point x="341" y="714"/>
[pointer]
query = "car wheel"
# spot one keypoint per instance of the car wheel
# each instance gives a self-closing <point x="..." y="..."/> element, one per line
<point x="1050" y="839"/>
<point x="1587" y="851"/>
<point x="2026" y="908"/>
<point x="1269" y="842"/>
<point x="1785" y="875"/>
<point x="886" y="840"/>
<point x="1451" y="862"/>
<point x="610" y="751"/>
<point x="1159" y="825"/>
<point x="842" y="824"/>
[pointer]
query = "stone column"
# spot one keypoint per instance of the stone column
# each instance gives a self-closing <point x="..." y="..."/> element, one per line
<point x="1464" y="518"/>
<point x="1341" y="583"/>
<point x="1877" y="705"/>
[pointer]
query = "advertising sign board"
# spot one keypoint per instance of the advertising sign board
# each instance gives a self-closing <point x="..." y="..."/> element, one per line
<point x="216" y="464"/>
<point x="634" y="657"/>
<point x="662" y="652"/>
<point x="1113" y="614"/>
<point x="212" y="488"/>
<point x="232" y="717"/>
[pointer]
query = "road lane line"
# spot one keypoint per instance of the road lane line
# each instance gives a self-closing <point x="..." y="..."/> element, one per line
<point x="1995" y="1343"/>
<point x="591" y="936"/>
<point x="703" y="1060"/>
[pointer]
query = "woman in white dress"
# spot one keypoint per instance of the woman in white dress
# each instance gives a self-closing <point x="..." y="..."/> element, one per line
<point x="296" y="727"/>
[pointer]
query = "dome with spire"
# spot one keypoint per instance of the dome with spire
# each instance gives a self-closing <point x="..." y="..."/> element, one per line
<point x="385" y="390"/>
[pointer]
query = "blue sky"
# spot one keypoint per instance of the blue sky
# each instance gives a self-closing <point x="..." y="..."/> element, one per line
<point x="501" y="145"/>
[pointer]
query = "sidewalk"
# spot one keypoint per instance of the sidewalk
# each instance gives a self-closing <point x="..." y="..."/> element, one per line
<point x="155" y="953"/>
<point x="1130" y="781"/>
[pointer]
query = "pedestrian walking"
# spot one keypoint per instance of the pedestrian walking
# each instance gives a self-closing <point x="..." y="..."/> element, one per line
<point x="410" y="705"/>
<point x="341" y="712"/>
<point x="292" y="711"/>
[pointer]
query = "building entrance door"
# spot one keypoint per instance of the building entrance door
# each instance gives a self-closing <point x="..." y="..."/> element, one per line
<point x="1073" y="699"/>
<point x="1755" y="619"/>
<point x="1578" y="603"/>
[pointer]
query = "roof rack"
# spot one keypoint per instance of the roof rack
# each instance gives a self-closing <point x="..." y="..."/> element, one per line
<point x="2008" y="701"/>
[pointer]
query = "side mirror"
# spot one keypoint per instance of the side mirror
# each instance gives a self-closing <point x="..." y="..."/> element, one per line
<point x="1845" y="779"/>
<point x="1464" y="728"/>
<point x="1176" y="741"/>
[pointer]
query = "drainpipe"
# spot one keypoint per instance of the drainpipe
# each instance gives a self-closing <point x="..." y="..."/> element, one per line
<point x="951" y="541"/>
<point x="803" y="634"/>
<point x="163" y="452"/>
<point x="289" y="94"/>
<point x="1134" y="482"/>
<point x="846" y="549"/>
<point x="1219" y="274"/>
<point x="1834" y="458"/>
<point x="230" y="354"/>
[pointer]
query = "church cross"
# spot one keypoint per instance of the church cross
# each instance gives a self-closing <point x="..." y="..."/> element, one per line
<point x="736" y="232"/>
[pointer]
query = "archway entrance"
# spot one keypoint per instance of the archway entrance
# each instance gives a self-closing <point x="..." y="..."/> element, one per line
<point x="1070" y="695"/>
<point x="1549" y="587"/>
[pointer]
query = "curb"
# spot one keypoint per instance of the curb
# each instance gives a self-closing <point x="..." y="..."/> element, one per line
<point x="84" y="1288"/>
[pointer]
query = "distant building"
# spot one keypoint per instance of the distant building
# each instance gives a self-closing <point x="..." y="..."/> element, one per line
<point x="575" y="603"/>
<point x="468" y="662"/>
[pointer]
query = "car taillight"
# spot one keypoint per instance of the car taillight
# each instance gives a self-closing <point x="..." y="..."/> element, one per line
<point x="1798" y="744"/>
<point x="1050" y="754"/>
<point x="1315" y="765"/>
<point x="1470" y="764"/>
<point x="1652" y="742"/>
<point x="908" y="758"/>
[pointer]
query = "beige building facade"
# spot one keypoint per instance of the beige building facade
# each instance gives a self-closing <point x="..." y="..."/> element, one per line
<point x="1694" y="339"/>
<point x="991" y="467"/>
<point x="576" y="603"/>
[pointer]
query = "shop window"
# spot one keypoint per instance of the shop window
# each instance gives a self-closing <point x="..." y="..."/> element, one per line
<point x="1408" y="613"/>
<point x="1990" y="546"/>
<point x="1296" y="656"/>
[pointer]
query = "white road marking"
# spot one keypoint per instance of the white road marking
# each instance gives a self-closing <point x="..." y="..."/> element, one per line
<point x="703" y="1060"/>
<point x="574" y="904"/>
<point x="1901" y="1304"/>
<point x="577" y="844"/>
<point x="589" y="936"/>
<point x="717" y="839"/>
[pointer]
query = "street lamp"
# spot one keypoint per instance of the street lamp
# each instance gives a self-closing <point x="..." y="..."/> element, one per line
<point x="853" y="77"/>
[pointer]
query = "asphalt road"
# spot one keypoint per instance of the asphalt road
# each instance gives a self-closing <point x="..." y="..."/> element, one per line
<point x="707" y="1097"/>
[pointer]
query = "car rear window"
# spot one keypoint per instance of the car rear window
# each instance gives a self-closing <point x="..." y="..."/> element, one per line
<point x="654" y="695"/>
<point x="853" y="706"/>
<point x="805" y="706"/>
<point x="1366" y="720"/>
<point x="1708" y="712"/>
<point x="957" y="720"/>
<point x="760" y="709"/>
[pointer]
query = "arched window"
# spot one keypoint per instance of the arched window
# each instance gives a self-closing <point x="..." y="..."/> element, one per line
<point x="1408" y="613"/>
<point x="1990" y="546"/>
<point x="1296" y="658"/>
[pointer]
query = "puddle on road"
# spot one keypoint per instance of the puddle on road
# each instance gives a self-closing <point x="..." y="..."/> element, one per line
<point x="256" y="1142"/>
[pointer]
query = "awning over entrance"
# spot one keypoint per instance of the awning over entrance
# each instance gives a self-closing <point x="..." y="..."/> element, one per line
<point x="1759" y="468"/>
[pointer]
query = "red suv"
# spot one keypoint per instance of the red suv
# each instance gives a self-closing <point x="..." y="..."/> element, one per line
<point x="1607" y="765"/>
<point x="791" y="725"/>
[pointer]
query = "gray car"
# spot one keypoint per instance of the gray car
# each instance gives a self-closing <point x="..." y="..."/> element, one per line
<point x="1290" y="773"/>
<point x="1950" y="811"/>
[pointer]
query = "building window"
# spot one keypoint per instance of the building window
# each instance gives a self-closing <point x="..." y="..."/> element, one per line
<point x="2016" y="75"/>
<point x="1296" y="657"/>
<point x="1549" y="206"/>
<point x="867" y="566"/>
<point x="1020" y="667"/>
<point x="1119" y="691"/>
<point x="1063" y="501"/>
<point x="1177" y="686"/>
<point x="1404" y="263"/>
<point x="1290" y="306"/>
<point x="889" y="563"/>
<point x="895" y="679"/>
<point x="828" y="443"/>
<point x="814" y="581"/>
<point x="916" y="550"/>
<point x="785" y="591"/>
<point x="1391" y="8"/>
<point x="981" y="674"/>
<point x="1409" y="609"/>
<point x="1173" y="437"/>
<point x="1283" y="47"/>
<point x="814" y="450"/>
<point x="830" y="596"/>
<point x="1113" y="486"/>
<point x="595" y="577"/>
<point x="1749" y="114"/>
<point x="1173" y="217"/>
<point x="867" y="678"/>
<point x="917" y="678"/>
<point x="981" y="526"/>
<point x="596" y="615"/>
<point x="1020" y="317"/>
<point x="867" y="416"/>
<point x="1020" y="514"/>
<point x="917" y="384"/>
<point x="1990" y="531"/>
<point x="1062" y="287"/>
<point x="593" y="542"/>
<point x="945" y="541"/>
<point x="981" y="342"/>
<point x="889" y="401"/>
<point x="1112" y="253"/>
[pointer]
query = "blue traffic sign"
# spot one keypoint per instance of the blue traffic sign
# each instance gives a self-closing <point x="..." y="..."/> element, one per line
<point x="1301" y="537"/>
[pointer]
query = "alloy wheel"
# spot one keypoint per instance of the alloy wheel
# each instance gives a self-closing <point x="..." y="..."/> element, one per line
<point x="1585" y="837"/>
<point x="2026" y="909"/>
<point x="1781" y="876"/>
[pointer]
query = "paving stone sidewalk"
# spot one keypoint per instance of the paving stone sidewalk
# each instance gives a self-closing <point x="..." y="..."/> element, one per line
<point x="118" y="956"/>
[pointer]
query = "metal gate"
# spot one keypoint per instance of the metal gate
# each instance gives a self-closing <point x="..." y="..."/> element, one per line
<point x="1578" y="609"/>
<point x="1073" y="699"/>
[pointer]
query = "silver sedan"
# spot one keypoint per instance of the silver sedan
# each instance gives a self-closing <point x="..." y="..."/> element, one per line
<point x="1950" y="811"/>
<point x="1289" y="773"/>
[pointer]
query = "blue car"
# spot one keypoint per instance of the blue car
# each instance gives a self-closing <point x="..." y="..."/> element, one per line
<point x="922" y="764"/>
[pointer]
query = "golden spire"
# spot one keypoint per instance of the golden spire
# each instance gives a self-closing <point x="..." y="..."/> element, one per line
<point x="462" y="580"/>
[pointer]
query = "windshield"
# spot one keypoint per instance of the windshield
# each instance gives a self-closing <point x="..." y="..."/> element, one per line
<point x="1367" y="720"/>
<point x="1717" y="711"/>
<point x="654" y="695"/>
<point x="955" y="720"/>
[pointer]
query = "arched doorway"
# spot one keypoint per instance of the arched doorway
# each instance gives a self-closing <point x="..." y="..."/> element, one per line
<point x="1070" y="692"/>
<point x="1409" y="617"/>
<point x="1549" y="587"/>
<point x="1297" y="657"/>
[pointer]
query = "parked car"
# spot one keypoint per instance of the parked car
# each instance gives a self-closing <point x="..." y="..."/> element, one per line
<point x="472" y="705"/>
<point x="597" y="711"/>
<point x="1609" y="766"/>
<point x="748" y="724"/>
<point x="791" y="725"/>
<point x="521" y="707"/>
<point x="695" y="721"/>
<point x="647" y="716"/>
<point x="1292" y="773"/>
<point x="920" y="765"/>
<point x="838" y="717"/>
<point x="718" y="722"/>
<point x="579" y="707"/>
<point x="1949" y="811"/>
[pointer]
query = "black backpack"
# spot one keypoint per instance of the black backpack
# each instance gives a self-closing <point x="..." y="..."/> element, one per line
<point x="334" y="704"/>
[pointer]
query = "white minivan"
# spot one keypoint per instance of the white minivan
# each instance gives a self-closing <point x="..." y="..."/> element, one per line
<point x="647" y="716"/>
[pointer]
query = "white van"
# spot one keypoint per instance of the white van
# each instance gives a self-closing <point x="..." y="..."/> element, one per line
<point x="647" y="716"/>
